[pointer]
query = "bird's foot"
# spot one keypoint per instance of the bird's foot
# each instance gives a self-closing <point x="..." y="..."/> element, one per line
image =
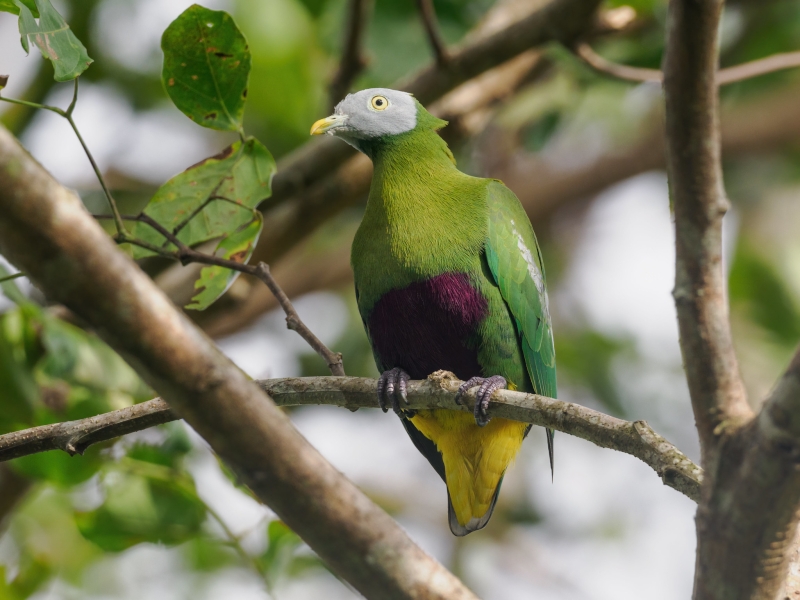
<point x="488" y="386"/>
<point x="392" y="388"/>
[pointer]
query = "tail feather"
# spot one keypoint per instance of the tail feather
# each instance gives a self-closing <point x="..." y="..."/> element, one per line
<point x="550" y="439"/>
<point x="474" y="524"/>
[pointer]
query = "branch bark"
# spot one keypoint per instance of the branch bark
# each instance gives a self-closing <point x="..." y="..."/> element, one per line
<point x="695" y="175"/>
<point x="748" y="514"/>
<point x="748" y="519"/>
<point x="45" y="231"/>
<point x="438" y="391"/>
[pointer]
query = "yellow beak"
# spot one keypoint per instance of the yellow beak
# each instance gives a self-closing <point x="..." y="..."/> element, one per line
<point x="328" y="123"/>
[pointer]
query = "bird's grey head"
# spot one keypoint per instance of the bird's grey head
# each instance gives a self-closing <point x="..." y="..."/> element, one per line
<point x="370" y="114"/>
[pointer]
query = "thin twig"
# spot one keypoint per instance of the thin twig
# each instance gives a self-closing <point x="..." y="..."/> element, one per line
<point x="428" y="15"/>
<point x="353" y="60"/>
<point x="438" y="391"/>
<point x="635" y="74"/>
<point x="748" y="70"/>
<point x="187" y="255"/>
<point x="12" y="277"/>
<point x="67" y="114"/>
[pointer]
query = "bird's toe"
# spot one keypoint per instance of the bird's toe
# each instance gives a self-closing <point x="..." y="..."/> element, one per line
<point x="392" y="387"/>
<point x="488" y="387"/>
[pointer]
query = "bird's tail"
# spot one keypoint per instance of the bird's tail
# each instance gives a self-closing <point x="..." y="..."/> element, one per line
<point x="475" y="523"/>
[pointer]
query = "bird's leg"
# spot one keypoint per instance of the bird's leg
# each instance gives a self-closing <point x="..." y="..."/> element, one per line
<point x="488" y="386"/>
<point x="392" y="387"/>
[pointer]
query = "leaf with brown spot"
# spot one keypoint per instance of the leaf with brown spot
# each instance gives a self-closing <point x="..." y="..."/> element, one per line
<point x="215" y="281"/>
<point x="198" y="73"/>
<point x="55" y="40"/>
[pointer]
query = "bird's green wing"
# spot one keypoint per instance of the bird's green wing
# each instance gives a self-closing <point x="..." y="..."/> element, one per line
<point x="515" y="261"/>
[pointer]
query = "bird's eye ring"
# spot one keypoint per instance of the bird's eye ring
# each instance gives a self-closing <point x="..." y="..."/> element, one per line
<point x="379" y="102"/>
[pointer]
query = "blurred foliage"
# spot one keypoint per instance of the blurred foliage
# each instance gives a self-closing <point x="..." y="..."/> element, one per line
<point x="586" y="358"/>
<point x="756" y="286"/>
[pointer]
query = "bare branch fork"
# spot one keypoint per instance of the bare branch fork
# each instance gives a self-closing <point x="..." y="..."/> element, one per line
<point x="438" y="391"/>
<point x="187" y="255"/>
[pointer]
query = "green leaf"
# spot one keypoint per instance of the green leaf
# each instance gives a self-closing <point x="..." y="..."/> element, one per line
<point x="60" y="468"/>
<point x="11" y="7"/>
<point x="241" y="174"/>
<point x="54" y="39"/>
<point x="142" y="508"/>
<point x="206" y="67"/>
<point x="756" y="285"/>
<point x="85" y="360"/>
<point x="215" y="281"/>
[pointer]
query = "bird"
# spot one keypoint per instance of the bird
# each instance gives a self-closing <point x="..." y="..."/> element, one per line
<point x="448" y="276"/>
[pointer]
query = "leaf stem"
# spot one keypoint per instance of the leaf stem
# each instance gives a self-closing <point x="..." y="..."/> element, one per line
<point x="11" y="277"/>
<point x="121" y="231"/>
<point x="67" y="114"/>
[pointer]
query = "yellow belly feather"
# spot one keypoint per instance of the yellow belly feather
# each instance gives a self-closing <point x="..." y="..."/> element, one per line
<point x="475" y="458"/>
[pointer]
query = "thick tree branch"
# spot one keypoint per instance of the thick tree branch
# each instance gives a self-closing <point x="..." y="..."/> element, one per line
<point x="352" y="61"/>
<point x="438" y="391"/>
<point x="748" y="70"/>
<point x="695" y="175"/>
<point x="747" y="525"/>
<point x="748" y="514"/>
<point x="45" y="231"/>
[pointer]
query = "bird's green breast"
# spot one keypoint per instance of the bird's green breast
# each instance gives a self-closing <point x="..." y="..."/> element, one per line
<point x="423" y="218"/>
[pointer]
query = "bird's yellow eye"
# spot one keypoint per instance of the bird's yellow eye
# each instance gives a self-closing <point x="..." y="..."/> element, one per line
<point x="379" y="102"/>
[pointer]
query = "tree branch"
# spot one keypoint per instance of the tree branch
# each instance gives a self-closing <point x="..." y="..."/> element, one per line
<point x="695" y="175"/>
<point x="748" y="514"/>
<point x="747" y="525"/>
<point x="353" y="61"/>
<point x="427" y="13"/>
<point x="748" y="70"/>
<point x="46" y="232"/>
<point x="438" y="391"/>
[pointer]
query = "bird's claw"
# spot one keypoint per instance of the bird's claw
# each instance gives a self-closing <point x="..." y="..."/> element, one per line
<point x="392" y="386"/>
<point x="488" y="386"/>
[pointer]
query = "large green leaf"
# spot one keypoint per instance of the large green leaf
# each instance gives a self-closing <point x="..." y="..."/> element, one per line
<point x="144" y="502"/>
<point x="83" y="359"/>
<point x="206" y="67"/>
<point x="215" y="281"/>
<point x="11" y="7"/>
<point x="54" y="38"/>
<point x="242" y="174"/>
